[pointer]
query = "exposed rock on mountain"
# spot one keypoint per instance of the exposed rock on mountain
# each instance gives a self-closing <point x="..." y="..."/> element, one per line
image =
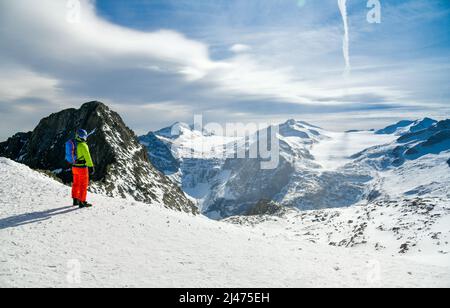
<point x="265" y="207"/>
<point x="159" y="154"/>
<point x="122" y="166"/>
<point x="243" y="183"/>
<point x="394" y="128"/>
<point x="199" y="157"/>
<point x="404" y="127"/>
<point x="411" y="145"/>
<point x="16" y="146"/>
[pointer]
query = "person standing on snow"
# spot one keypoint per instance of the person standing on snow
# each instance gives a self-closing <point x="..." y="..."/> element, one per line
<point x="81" y="169"/>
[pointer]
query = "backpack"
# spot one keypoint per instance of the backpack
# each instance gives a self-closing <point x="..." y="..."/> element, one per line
<point x="71" y="152"/>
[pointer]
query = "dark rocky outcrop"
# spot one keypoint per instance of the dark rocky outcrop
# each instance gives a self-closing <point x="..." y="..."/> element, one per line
<point x="265" y="207"/>
<point x="15" y="147"/>
<point x="122" y="166"/>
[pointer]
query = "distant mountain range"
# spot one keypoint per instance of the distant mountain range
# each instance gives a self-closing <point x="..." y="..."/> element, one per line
<point x="190" y="170"/>
<point x="224" y="187"/>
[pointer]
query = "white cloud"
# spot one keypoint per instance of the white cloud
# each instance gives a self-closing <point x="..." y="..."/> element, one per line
<point x="21" y="83"/>
<point x="240" y="48"/>
<point x="44" y="28"/>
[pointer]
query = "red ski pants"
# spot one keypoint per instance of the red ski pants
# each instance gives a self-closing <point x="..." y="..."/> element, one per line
<point x="80" y="183"/>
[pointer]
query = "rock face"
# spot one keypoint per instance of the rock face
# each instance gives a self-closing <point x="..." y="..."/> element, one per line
<point x="159" y="154"/>
<point x="15" y="146"/>
<point x="122" y="166"/>
<point x="245" y="185"/>
<point x="265" y="207"/>
<point x="189" y="157"/>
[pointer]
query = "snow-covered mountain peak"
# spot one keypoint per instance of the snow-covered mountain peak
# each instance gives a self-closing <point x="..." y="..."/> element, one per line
<point x="300" y="129"/>
<point x="420" y="124"/>
<point x="185" y="130"/>
<point x="407" y="126"/>
<point x="394" y="128"/>
<point x="301" y="123"/>
<point x="175" y="130"/>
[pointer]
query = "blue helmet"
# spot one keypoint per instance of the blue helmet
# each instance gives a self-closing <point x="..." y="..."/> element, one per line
<point x="82" y="134"/>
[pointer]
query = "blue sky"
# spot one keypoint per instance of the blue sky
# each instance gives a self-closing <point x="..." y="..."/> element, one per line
<point x="157" y="62"/>
<point x="427" y="31"/>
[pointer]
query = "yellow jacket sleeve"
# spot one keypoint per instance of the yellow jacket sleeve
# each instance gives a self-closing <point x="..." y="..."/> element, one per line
<point x="84" y="154"/>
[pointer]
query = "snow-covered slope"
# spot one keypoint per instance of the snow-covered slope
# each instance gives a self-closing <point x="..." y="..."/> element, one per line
<point x="415" y="227"/>
<point x="406" y="208"/>
<point x="336" y="151"/>
<point x="427" y="176"/>
<point x="118" y="243"/>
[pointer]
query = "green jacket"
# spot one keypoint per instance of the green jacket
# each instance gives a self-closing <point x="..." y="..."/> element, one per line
<point x="84" y="158"/>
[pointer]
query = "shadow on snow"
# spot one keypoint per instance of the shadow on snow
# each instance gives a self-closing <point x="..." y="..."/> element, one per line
<point x="35" y="217"/>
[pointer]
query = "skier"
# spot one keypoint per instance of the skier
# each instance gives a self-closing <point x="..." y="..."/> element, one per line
<point x="81" y="169"/>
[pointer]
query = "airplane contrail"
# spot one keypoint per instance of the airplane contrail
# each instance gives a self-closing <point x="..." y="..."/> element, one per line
<point x="346" y="44"/>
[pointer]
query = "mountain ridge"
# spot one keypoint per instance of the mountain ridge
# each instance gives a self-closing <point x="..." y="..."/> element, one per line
<point x="122" y="166"/>
<point x="407" y="126"/>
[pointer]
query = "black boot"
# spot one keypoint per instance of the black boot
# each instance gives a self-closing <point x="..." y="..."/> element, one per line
<point x="85" y="205"/>
<point x="76" y="202"/>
